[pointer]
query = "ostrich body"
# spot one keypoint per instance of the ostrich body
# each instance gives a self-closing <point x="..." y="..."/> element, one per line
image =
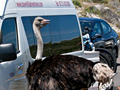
<point x="63" y="72"/>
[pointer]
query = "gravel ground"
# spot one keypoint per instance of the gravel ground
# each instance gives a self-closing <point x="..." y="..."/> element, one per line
<point x="117" y="77"/>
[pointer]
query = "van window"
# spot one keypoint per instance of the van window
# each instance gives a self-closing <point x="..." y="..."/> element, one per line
<point x="62" y="35"/>
<point x="9" y="32"/>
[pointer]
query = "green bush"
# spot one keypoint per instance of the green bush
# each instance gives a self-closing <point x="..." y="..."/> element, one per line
<point x="92" y="10"/>
<point x="87" y="1"/>
<point x="101" y="1"/>
<point x="76" y="2"/>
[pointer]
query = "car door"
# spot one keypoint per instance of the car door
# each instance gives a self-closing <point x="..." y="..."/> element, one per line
<point x="97" y="30"/>
<point x="98" y="42"/>
<point x="12" y="72"/>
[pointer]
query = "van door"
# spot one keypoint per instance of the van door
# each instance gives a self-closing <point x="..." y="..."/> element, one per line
<point x="12" y="73"/>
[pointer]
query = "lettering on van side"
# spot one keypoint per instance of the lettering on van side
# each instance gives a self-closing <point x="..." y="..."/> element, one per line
<point x="62" y="3"/>
<point x="29" y="4"/>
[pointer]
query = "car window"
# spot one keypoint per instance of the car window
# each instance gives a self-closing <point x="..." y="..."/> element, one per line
<point x="60" y="36"/>
<point x="85" y="24"/>
<point x="97" y="28"/>
<point x="105" y="27"/>
<point x="9" y="32"/>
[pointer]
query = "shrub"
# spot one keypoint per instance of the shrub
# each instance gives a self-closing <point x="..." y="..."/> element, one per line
<point x="87" y="1"/>
<point x="92" y="10"/>
<point x="77" y="3"/>
<point x="101" y="1"/>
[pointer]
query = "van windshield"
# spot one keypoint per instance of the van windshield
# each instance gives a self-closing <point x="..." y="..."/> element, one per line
<point x="62" y="35"/>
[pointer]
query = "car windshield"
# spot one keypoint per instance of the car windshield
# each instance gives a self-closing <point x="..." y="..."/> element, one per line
<point x="85" y="24"/>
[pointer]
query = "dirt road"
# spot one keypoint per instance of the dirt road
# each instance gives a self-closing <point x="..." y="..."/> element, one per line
<point x="117" y="77"/>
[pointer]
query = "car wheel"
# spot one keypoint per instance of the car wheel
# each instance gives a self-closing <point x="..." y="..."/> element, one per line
<point x="110" y="56"/>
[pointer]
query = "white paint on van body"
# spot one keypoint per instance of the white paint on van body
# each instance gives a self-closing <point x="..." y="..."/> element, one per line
<point x="12" y="73"/>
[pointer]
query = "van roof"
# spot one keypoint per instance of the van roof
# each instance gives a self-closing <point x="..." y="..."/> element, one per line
<point x="31" y="7"/>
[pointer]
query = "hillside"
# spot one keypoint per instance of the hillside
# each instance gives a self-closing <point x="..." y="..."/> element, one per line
<point x="109" y="10"/>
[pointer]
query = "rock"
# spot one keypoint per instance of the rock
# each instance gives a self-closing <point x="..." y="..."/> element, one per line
<point x="114" y="4"/>
<point x="99" y="6"/>
<point x="108" y="15"/>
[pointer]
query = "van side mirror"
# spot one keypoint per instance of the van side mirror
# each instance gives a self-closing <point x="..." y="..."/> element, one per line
<point x="7" y="52"/>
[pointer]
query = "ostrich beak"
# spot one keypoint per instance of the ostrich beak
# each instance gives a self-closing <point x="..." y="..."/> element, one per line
<point x="45" y="21"/>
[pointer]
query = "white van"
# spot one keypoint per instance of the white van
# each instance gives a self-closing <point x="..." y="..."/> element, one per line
<point x="61" y="36"/>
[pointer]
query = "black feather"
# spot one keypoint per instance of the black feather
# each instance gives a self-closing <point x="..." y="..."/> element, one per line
<point x="61" y="72"/>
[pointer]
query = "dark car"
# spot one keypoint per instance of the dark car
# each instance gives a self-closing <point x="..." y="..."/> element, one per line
<point x="101" y="34"/>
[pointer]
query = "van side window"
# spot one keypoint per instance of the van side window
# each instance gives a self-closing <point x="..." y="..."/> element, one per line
<point x="60" y="36"/>
<point x="8" y="32"/>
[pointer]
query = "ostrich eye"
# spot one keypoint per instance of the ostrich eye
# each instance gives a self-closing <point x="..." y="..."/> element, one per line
<point x="40" y="20"/>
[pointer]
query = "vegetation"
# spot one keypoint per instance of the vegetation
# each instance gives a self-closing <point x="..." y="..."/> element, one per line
<point x="101" y="1"/>
<point x="92" y="10"/>
<point x="95" y="1"/>
<point x="87" y="0"/>
<point x="77" y="3"/>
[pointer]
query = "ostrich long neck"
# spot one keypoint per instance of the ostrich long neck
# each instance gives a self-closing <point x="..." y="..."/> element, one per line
<point x="39" y="42"/>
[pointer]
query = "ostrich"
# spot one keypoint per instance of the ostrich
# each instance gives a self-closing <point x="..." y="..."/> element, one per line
<point x="63" y="72"/>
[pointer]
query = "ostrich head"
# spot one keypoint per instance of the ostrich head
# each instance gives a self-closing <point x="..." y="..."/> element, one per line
<point x="102" y="73"/>
<point x="40" y="22"/>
